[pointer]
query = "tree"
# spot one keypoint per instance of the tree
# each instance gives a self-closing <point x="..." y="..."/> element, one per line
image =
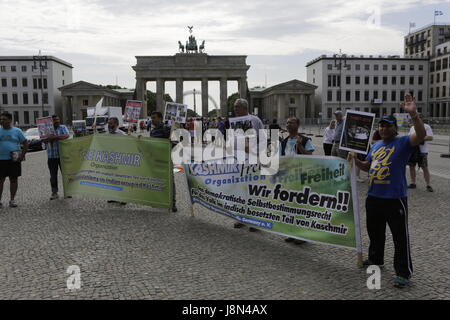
<point x="151" y="101"/>
<point x="192" y="114"/>
<point x="230" y="103"/>
<point x="214" y="113"/>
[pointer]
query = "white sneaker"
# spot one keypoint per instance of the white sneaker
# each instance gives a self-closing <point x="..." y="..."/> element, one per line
<point x="12" y="204"/>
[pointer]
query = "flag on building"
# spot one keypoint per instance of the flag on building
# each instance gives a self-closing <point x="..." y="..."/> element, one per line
<point x="438" y="13"/>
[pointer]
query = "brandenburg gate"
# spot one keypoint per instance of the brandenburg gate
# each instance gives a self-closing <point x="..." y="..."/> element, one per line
<point x="190" y="64"/>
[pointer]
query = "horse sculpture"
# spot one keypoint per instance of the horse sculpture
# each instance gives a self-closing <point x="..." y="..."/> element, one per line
<point x="180" y="46"/>
<point x="202" y="46"/>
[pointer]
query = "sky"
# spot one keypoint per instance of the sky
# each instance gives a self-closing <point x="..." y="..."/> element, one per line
<point x="101" y="38"/>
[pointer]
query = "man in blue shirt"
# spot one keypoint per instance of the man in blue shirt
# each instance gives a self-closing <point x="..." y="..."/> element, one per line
<point x="53" y="162"/>
<point x="11" y="139"/>
<point x="387" y="196"/>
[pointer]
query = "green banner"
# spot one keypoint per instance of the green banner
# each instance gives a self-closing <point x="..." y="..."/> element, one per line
<point x="310" y="198"/>
<point x="118" y="167"/>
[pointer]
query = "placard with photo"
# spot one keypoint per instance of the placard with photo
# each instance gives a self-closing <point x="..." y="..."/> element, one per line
<point x="45" y="127"/>
<point x="357" y="131"/>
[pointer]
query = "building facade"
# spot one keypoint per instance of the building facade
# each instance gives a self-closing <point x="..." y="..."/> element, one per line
<point x="375" y="84"/>
<point x="79" y="96"/>
<point x="292" y="98"/>
<point x="29" y="92"/>
<point x="422" y="42"/>
<point x="439" y="78"/>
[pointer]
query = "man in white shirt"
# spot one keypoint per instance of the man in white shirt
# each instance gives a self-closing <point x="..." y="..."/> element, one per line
<point x="421" y="158"/>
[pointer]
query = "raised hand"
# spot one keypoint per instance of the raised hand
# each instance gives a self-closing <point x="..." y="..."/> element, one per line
<point x="409" y="104"/>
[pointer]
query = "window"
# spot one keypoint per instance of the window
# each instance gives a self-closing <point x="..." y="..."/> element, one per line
<point x="375" y="80"/>
<point x="292" y="112"/>
<point x="35" y="83"/>
<point x="357" y="67"/>
<point x="292" y="100"/>
<point x="438" y="65"/>
<point x="45" y="83"/>
<point x="347" y="80"/>
<point x="357" y="95"/>
<point x="375" y="94"/>
<point x="402" y="67"/>
<point x="366" y="95"/>
<point x="339" y="95"/>
<point x="4" y="82"/>
<point x="330" y="67"/>
<point x="26" y="117"/>
<point x="329" y="80"/>
<point x="393" y="96"/>
<point x="314" y="81"/>
<point x="357" y="80"/>
<point x="385" y="67"/>
<point x="329" y="113"/>
<point x="366" y="80"/>
<point x="431" y="92"/>
<point x="24" y="68"/>
<point x="432" y="66"/>
<point x="402" y="95"/>
<point x="375" y="67"/>
<point x="314" y="72"/>
<point x="385" y="80"/>
<point x="45" y="98"/>
<point x="443" y="91"/>
<point x="36" y="115"/>
<point x="329" y="95"/>
<point x="437" y="92"/>
<point x="431" y="78"/>
<point x="2" y="68"/>
<point x="402" y="80"/>
<point x="25" y="98"/>
<point x="24" y="82"/>
<point x="384" y="95"/>
<point x="394" y="80"/>
<point x="444" y="77"/>
<point x="438" y="77"/>
<point x="5" y="98"/>
<point x="35" y="98"/>
<point x="444" y="63"/>
<point x="394" y="67"/>
<point x="14" y="82"/>
<point x="411" y="80"/>
<point x="411" y="67"/>
<point x="367" y="67"/>
<point x="15" y="98"/>
<point x="13" y="69"/>
<point x="348" y="95"/>
<point x="420" y="80"/>
<point x="16" y="117"/>
<point x="85" y="102"/>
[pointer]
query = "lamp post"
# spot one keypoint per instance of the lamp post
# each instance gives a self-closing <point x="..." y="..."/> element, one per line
<point x="338" y="64"/>
<point x="40" y="62"/>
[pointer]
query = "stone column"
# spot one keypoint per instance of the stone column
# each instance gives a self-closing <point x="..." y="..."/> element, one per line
<point x="160" y="95"/>
<point x="223" y="97"/>
<point x="141" y="95"/>
<point x="179" y="90"/>
<point x="242" y="86"/>
<point x="64" y="119"/>
<point x="205" y="97"/>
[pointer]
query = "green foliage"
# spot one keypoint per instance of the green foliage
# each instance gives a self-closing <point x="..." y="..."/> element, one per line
<point x="230" y="103"/>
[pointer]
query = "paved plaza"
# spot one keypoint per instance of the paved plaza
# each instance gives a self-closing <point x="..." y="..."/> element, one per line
<point x="136" y="252"/>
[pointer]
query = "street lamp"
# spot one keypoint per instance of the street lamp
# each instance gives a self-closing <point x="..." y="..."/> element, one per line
<point x="40" y="62"/>
<point x="338" y="64"/>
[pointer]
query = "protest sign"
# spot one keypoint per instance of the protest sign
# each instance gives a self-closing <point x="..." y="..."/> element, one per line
<point x="357" y="131"/>
<point x="402" y="119"/>
<point x="45" y="127"/>
<point x="118" y="167"/>
<point x="175" y="112"/>
<point x="310" y="198"/>
<point x="79" y="128"/>
<point x="132" y="111"/>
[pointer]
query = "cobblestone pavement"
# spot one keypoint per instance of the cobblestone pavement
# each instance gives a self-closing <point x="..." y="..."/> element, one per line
<point x="136" y="252"/>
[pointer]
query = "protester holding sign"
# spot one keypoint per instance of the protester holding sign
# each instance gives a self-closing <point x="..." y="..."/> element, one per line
<point x="60" y="133"/>
<point x="328" y="138"/>
<point x="293" y="145"/>
<point x="387" y="196"/>
<point x="335" y="151"/>
<point x="251" y="122"/>
<point x="11" y="155"/>
<point x="160" y="130"/>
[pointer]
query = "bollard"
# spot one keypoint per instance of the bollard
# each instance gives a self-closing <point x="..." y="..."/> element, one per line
<point x="446" y="155"/>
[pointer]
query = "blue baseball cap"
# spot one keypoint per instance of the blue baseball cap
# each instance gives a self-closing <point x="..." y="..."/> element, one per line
<point x="389" y="119"/>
